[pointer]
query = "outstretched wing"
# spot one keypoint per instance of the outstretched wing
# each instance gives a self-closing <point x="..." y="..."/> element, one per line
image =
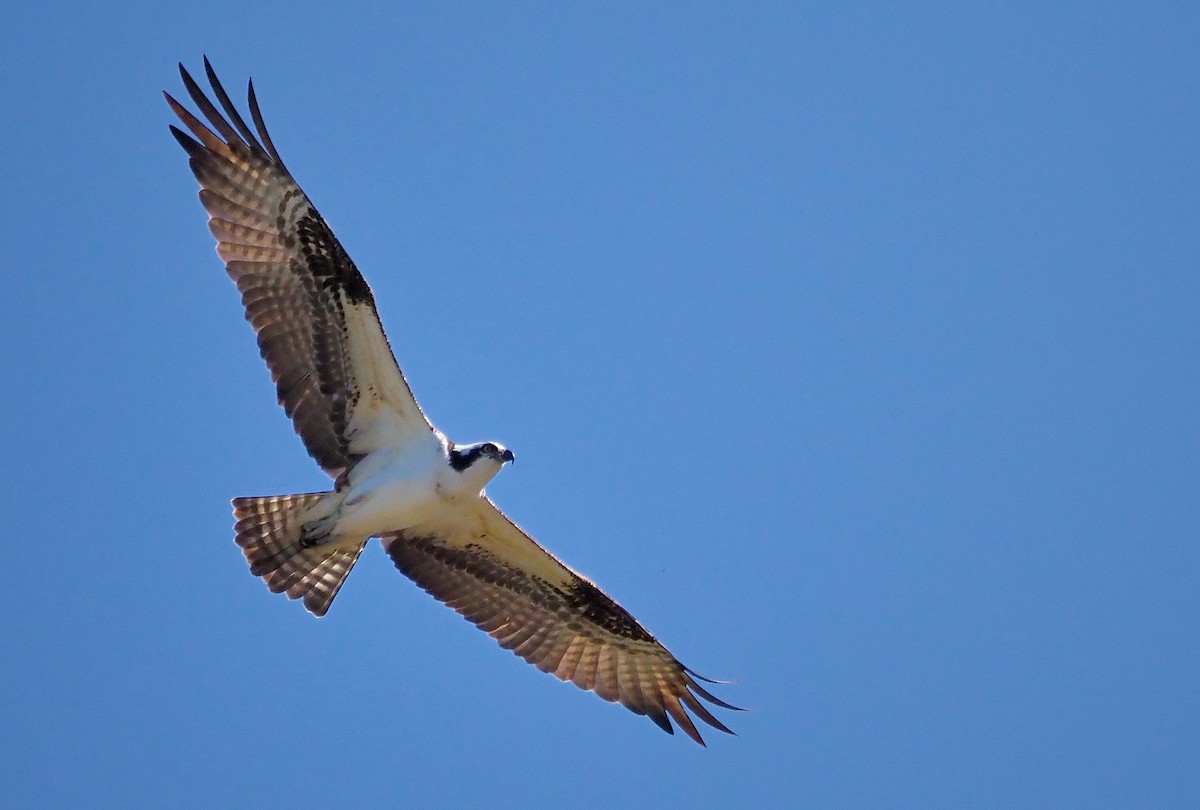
<point x="486" y="568"/>
<point x="312" y="310"/>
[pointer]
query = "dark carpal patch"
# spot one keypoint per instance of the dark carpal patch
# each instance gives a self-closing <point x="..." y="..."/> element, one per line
<point x="327" y="261"/>
<point x="411" y="553"/>
<point x="589" y="600"/>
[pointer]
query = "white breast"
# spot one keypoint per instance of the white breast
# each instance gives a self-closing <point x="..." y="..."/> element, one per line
<point x="393" y="489"/>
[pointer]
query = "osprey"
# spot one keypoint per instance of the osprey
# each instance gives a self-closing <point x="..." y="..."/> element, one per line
<point x="396" y="476"/>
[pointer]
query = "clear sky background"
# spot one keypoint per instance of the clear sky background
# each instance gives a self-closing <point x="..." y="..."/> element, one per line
<point x="854" y="350"/>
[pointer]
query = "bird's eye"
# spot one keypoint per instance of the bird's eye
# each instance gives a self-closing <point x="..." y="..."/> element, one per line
<point x="488" y="449"/>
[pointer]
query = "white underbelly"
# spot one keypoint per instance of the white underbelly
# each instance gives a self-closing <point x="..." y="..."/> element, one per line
<point x="396" y="493"/>
<point x="389" y="507"/>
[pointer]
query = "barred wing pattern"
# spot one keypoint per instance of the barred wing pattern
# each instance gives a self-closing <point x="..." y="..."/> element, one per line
<point x="313" y="312"/>
<point x="486" y="568"/>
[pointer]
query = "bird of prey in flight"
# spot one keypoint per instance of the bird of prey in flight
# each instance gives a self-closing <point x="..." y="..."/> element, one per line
<point x="396" y="476"/>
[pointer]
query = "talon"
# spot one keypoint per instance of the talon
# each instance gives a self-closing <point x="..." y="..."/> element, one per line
<point x="315" y="533"/>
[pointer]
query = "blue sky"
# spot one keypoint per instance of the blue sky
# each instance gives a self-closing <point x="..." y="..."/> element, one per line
<point x="853" y="350"/>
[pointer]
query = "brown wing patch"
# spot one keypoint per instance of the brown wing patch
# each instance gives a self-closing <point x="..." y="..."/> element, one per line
<point x="563" y="625"/>
<point x="299" y="287"/>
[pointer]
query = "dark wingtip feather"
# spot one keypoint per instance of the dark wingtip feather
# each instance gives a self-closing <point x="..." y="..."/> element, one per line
<point x="702" y="692"/>
<point x="676" y="710"/>
<point x="188" y="81"/>
<point x="661" y="720"/>
<point x="256" y="116"/>
<point x="704" y="714"/>
<point x="197" y="127"/>
<point x="215" y="119"/>
<point x="230" y="109"/>
<point x="696" y="674"/>
<point x="189" y="144"/>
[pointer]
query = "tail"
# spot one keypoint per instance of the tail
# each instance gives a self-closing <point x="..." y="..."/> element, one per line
<point x="268" y="530"/>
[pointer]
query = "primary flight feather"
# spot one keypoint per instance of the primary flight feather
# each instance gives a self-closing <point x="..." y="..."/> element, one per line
<point x="396" y="476"/>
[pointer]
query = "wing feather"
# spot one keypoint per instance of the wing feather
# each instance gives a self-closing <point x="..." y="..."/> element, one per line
<point x="311" y="309"/>
<point x="232" y="112"/>
<point x="219" y="206"/>
<point x="483" y="566"/>
<point x="565" y="671"/>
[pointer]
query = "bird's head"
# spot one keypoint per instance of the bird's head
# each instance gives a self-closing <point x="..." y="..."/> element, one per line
<point x="478" y="463"/>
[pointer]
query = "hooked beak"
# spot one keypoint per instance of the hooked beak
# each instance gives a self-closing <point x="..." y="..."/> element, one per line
<point x="507" y="455"/>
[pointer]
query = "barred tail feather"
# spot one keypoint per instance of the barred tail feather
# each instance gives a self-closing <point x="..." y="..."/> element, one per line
<point x="268" y="531"/>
